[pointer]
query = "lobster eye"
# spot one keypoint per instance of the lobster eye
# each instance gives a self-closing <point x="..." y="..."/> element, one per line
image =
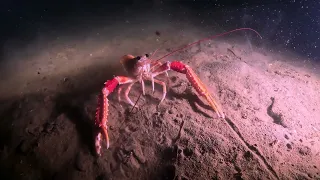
<point x="147" y="55"/>
<point x="138" y="57"/>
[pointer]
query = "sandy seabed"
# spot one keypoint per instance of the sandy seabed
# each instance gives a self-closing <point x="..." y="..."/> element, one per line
<point x="48" y="100"/>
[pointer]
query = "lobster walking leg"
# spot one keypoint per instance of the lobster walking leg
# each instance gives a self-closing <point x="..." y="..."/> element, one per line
<point x="164" y="89"/>
<point x="119" y="93"/>
<point x="193" y="79"/>
<point x="156" y="64"/>
<point x="143" y="87"/>
<point x="127" y="94"/>
<point x="102" y="110"/>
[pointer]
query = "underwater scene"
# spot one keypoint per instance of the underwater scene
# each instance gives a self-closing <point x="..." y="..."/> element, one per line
<point x="159" y="89"/>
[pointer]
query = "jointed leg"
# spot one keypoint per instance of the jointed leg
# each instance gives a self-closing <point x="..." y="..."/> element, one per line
<point x="155" y="64"/>
<point x="164" y="89"/>
<point x="127" y="94"/>
<point x="98" y="142"/>
<point x="119" y="93"/>
<point x="197" y="85"/>
<point x="121" y="87"/>
<point x="143" y="87"/>
<point x="158" y="64"/>
<point x="193" y="79"/>
<point x="158" y="71"/>
<point x="102" y="110"/>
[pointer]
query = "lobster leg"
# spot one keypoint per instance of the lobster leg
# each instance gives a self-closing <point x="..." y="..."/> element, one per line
<point x="127" y="91"/>
<point x="127" y="94"/>
<point x="102" y="110"/>
<point x="119" y="93"/>
<point x="193" y="79"/>
<point x="143" y="87"/>
<point x="164" y="89"/>
<point x="156" y="64"/>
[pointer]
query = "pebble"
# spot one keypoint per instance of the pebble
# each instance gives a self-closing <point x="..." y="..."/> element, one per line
<point x="256" y="108"/>
<point x="139" y="154"/>
<point x="134" y="147"/>
<point x="305" y="150"/>
<point x="244" y="115"/>
<point x="273" y="143"/>
<point x="134" y="163"/>
<point x="180" y="115"/>
<point x="248" y="155"/>
<point x="127" y="129"/>
<point x="286" y="136"/>
<point x="176" y="120"/>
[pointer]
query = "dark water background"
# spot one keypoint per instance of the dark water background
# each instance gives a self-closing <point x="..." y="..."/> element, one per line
<point x="293" y="24"/>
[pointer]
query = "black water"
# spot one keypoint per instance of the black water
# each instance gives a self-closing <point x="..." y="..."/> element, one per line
<point x="293" y="24"/>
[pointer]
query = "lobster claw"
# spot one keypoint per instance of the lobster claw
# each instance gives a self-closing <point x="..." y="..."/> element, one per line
<point x="197" y="84"/>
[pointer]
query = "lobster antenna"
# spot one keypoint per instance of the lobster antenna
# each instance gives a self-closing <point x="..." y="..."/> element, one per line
<point x="208" y="38"/>
<point x="186" y="46"/>
<point x="153" y="54"/>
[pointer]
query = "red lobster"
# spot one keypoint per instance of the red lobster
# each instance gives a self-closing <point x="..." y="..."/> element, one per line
<point x="139" y="69"/>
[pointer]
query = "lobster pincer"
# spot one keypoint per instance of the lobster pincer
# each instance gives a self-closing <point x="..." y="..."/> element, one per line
<point x="195" y="81"/>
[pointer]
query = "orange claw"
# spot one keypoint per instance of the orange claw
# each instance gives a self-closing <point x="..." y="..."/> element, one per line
<point x="197" y="84"/>
<point x="102" y="110"/>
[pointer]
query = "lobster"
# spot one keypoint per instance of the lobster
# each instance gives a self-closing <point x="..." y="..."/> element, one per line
<point x="143" y="68"/>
